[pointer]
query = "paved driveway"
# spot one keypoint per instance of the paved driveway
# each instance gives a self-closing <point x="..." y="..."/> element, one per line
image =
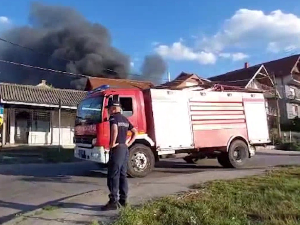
<point x="27" y="187"/>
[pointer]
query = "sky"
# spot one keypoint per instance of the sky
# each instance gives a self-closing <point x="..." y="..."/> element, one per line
<point x="207" y="38"/>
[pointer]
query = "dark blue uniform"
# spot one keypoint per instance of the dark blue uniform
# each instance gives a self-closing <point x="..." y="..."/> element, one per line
<point x="118" y="157"/>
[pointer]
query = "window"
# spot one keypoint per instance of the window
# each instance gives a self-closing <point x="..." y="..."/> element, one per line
<point x="292" y="92"/>
<point x="90" y="110"/>
<point x="40" y="122"/>
<point x="295" y="110"/>
<point x="127" y="107"/>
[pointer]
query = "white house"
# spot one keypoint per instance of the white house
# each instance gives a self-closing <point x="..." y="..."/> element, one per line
<point x="31" y="114"/>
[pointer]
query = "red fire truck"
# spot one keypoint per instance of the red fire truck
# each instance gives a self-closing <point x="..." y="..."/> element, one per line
<point x="214" y="123"/>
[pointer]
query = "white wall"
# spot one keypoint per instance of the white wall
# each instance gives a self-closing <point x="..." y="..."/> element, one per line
<point x="39" y="138"/>
<point x="51" y="137"/>
<point x="12" y="126"/>
<point x="67" y="128"/>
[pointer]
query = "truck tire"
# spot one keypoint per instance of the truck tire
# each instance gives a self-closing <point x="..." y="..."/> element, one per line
<point x="141" y="161"/>
<point x="223" y="160"/>
<point x="237" y="155"/>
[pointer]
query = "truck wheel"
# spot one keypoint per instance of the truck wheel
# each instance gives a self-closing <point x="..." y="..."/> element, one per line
<point x="223" y="160"/>
<point x="141" y="161"/>
<point x="237" y="155"/>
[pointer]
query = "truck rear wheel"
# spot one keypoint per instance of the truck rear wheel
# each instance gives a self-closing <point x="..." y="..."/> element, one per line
<point x="223" y="160"/>
<point x="141" y="161"/>
<point x="237" y="155"/>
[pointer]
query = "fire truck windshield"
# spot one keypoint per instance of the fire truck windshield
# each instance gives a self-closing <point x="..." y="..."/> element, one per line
<point x="89" y="110"/>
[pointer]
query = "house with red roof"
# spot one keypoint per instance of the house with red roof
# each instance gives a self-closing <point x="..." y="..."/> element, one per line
<point x="185" y="80"/>
<point x="284" y="73"/>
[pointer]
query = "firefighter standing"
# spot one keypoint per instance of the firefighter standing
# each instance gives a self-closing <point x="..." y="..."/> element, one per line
<point x="118" y="155"/>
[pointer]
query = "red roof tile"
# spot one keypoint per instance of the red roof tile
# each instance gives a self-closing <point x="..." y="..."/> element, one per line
<point x="94" y="82"/>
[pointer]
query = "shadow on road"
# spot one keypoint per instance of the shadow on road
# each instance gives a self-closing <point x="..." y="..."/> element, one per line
<point x="25" y="208"/>
<point x="78" y="209"/>
<point x="180" y="166"/>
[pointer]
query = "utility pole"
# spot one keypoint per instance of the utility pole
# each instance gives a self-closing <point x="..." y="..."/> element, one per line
<point x="169" y="76"/>
<point x="277" y="105"/>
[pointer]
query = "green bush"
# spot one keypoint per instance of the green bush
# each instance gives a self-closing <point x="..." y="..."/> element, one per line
<point x="276" y="140"/>
<point x="293" y="125"/>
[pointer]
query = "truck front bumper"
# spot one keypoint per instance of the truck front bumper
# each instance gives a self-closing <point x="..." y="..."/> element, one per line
<point x="95" y="154"/>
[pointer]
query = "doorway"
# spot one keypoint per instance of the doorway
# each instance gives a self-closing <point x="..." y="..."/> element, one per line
<point x="22" y="126"/>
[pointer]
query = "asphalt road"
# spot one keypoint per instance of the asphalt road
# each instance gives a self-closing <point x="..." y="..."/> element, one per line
<point x="27" y="187"/>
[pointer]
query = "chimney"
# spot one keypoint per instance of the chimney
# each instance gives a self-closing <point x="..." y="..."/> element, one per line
<point x="246" y="65"/>
<point x="43" y="84"/>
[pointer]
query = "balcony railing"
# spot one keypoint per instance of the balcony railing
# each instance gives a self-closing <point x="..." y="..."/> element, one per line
<point x="261" y="86"/>
<point x="291" y="96"/>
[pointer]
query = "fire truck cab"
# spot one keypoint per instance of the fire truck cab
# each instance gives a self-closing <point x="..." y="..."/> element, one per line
<point x="92" y="131"/>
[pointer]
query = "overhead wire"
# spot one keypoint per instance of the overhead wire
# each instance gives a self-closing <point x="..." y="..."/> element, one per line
<point x="53" y="56"/>
<point x="88" y="76"/>
<point x="76" y="74"/>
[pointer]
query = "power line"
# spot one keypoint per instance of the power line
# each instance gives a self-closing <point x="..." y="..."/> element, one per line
<point x="44" y="69"/>
<point x="75" y="74"/>
<point x="87" y="76"/>
<point x="48" y="69"/>
<point x="33" y="50"/>
<point x="57" y="57"/>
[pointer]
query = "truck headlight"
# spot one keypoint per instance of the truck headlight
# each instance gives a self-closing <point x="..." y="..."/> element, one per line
<point x="94" y="141"/>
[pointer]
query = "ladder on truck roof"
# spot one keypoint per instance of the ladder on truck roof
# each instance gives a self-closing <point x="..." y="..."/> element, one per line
<point x="221" y="87"/>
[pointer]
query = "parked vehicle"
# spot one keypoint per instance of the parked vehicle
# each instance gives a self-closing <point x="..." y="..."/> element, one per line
<point x="204" y="123"/>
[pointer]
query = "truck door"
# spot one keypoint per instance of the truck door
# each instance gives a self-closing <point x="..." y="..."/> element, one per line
<point x="256" y="120"/>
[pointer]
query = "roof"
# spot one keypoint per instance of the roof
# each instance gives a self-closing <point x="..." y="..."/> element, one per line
<point x="283" y="66"/>
<point x="182" y="78"/>
<point x="94" y="82"/>
<point x="238" y="78"/>
<point x="27" y="94"/>
<point x="280" y="67"/>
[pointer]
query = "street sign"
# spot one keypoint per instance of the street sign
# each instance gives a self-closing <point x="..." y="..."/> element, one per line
<point x="1" y="110"/>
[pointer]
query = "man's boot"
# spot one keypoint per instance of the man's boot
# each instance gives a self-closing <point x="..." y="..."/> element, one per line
<point x="111" y="205"/>
<point x="123" y="203"/>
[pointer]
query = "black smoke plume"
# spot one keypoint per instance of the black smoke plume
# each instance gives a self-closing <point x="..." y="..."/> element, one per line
<point x="153" y="68"/>
<point x="69" y="43"/>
